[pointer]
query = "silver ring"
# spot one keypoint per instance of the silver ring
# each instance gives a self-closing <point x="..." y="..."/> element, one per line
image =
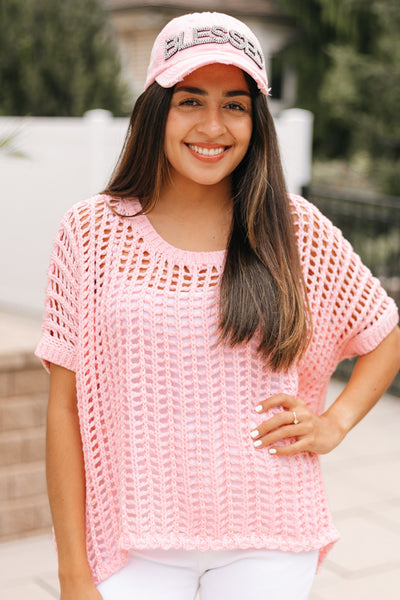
<point x="295" y="420"/>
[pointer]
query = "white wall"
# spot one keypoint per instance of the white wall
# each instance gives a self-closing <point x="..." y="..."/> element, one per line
<point x="69" y="159"/>
<point x="294" y="127"/>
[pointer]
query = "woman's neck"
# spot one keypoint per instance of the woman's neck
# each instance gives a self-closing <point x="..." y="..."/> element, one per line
<point x="194" y="217"/>
<point x="188" y="199"/>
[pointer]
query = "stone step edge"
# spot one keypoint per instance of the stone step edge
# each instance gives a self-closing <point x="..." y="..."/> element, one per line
<point x="22" y="446"/>
<point x="23" y="468"/>
<point x="26" y="502"/>
<point x="26" y="535"/>
<point x="19" y="361"/>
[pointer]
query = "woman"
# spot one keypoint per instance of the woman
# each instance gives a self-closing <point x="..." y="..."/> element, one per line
<point x="195" y="313"/>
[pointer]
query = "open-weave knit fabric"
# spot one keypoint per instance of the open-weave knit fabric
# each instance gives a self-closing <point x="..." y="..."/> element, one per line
<point x="166" y="412"/>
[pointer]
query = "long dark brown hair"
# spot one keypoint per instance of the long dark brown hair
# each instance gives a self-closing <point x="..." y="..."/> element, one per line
<point x="262" y="289"/>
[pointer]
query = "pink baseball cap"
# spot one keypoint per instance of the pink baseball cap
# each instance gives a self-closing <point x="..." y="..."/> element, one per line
<point x="198" y="39"/>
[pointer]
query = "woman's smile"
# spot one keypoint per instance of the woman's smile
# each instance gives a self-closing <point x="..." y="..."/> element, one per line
<point x="208" y="152"/>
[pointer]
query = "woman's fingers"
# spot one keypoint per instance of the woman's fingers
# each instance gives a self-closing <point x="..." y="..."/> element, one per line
<point x="279" y="420"/>
<point x="298" y="426"/>
<point x="282" y="426"/>
<point x="290" y="449"/>
<point x="289" y="431"/>
<point x="288" y="402"/>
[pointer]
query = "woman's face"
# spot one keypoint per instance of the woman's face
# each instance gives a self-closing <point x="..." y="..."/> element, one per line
<point x="209" y="125"/>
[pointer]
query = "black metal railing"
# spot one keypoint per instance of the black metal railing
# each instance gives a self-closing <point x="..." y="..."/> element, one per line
<point x="372" y="225"/>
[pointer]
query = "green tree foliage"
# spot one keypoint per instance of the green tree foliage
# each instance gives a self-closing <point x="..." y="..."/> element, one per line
<point x="362" y="91"/>
<point x="348" y="59"/>
<point x="58" y="58"/>
<point x="322" y="24"/>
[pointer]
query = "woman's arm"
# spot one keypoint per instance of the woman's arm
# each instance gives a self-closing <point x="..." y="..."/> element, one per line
<point x="372" y="375"/>
<point x="66" y="486"/>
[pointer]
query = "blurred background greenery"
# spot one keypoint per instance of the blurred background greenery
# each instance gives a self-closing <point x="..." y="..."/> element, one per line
<point x="58" y="58"/>
<point x="347" y="54"/>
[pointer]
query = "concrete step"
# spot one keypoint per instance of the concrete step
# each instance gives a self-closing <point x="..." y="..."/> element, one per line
<point x="22" y="481"/>
<point x="24" y="385"/>
<point x="24" y="516"/>
<point x="22" y="446"/>
<point x="23" y="412"/>
<point x="22" y="374"/>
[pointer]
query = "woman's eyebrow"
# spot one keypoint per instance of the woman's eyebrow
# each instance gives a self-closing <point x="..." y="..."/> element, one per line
<point x="190" y="90"/>
<point x="201" y="92"/>
<point x="232" y="93"/>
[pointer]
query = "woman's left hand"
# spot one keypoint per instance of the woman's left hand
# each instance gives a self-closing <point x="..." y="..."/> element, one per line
<point x="307" y="431"/>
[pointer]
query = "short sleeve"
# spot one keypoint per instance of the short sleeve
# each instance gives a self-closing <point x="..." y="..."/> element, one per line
<point x="372" y="315"/>
<point x="58" y="343"/>
<point x="352" y="312"/>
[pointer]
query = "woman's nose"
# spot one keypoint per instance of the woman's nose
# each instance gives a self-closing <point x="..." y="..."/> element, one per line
<point x="212" y="123"/>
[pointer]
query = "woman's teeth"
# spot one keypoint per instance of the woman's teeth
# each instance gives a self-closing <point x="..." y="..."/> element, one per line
<point x="207" y="151"/>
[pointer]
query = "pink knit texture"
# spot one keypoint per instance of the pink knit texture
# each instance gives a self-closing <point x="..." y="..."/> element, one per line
<point x="165" y="412"/>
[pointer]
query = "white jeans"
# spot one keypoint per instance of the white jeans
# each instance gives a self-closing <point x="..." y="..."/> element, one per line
<point x="218" y="575"/>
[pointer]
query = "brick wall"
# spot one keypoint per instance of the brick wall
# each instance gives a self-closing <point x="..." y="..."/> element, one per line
<point x="24" y="506"/>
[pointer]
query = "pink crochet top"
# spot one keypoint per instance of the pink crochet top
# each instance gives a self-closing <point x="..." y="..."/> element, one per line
<point x="165" y="412"/>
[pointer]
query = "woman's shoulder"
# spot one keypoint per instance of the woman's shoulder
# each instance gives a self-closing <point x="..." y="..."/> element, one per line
<point x="309" y="221"/>
<point x="89" y="207"/>
<point x="302" y="208"/>
<point x="86" y="216"/>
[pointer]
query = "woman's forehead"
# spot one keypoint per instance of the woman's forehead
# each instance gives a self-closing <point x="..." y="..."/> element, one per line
<point x="216" y="74"/>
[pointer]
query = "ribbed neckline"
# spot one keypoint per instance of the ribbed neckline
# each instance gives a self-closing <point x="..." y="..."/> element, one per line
<point x="159" y="244"/>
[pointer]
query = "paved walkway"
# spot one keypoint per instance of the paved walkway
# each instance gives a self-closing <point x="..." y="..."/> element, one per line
<point x="362" y="478"/>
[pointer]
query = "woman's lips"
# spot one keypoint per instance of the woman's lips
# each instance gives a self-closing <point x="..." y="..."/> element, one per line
<point x="208" y="152"/>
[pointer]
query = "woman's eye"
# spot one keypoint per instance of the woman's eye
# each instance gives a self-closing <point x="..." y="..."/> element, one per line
<point x="235" y="106"/>
<point x="189" y="102"/>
